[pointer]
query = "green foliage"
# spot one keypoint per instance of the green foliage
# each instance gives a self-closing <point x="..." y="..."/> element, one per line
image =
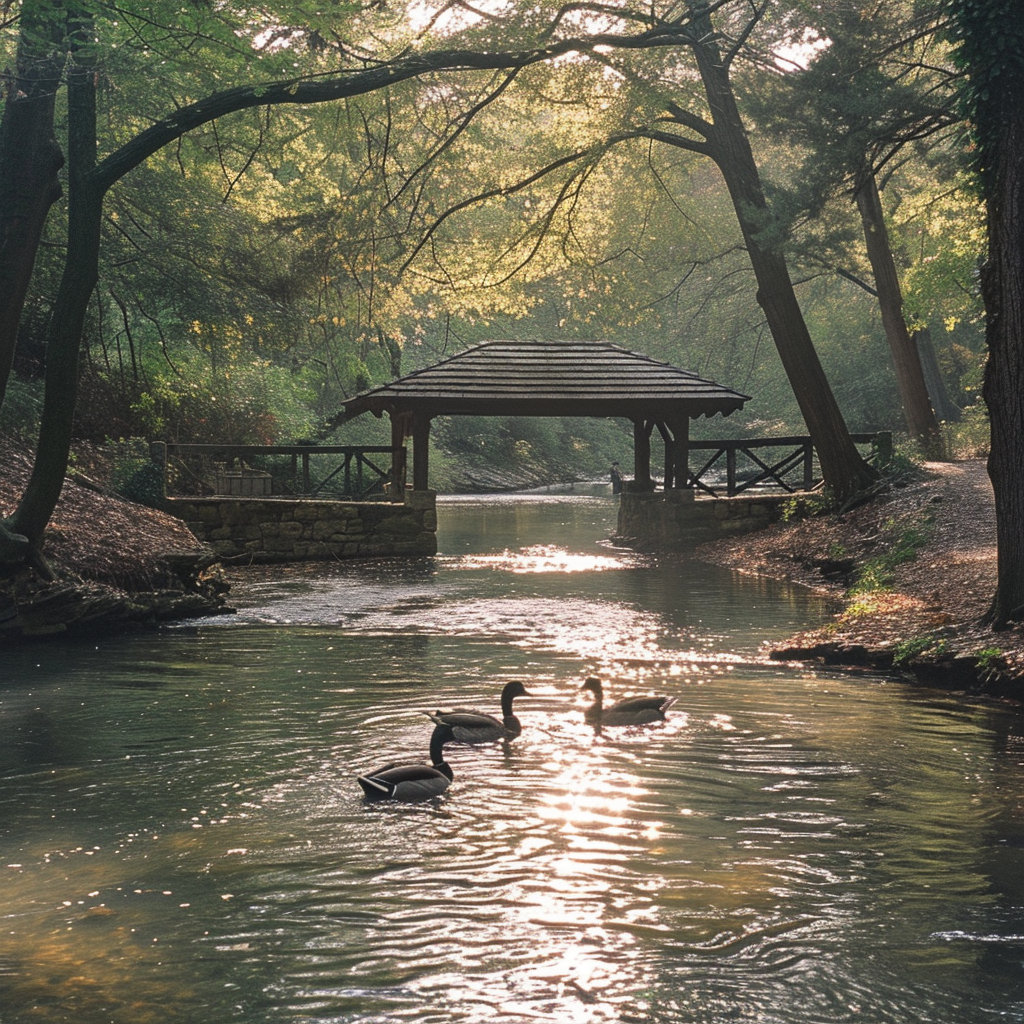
<point x="988" y="659"/>
<point x="526" y="451"/>
<point x="989" y="40"/>
<point x="266" y="268"/>
<point x="970" y="437"/>
<point x="249" y="402"/>
<point x="902" y="464"/>
<point x="135" y="476"/>
<point x="903" y="543"/>
<point x="914" y="647"/>
<point x="804" y="506"/>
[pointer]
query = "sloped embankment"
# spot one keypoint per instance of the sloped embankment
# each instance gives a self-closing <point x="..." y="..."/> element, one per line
<point x="913" y="573"/>
<point x="117" y="563"/>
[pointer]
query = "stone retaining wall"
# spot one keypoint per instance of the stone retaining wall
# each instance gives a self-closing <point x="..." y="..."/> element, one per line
<point x="678" y="521"/>
<point x="296" y="530"/>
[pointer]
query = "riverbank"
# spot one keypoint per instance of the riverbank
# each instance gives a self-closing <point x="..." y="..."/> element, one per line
<point x="912" y="572"/>
<point x="117" y="564"/>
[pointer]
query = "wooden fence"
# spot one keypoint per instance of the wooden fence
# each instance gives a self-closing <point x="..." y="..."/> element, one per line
<point x="347" y="472"/>
<point x="772" y="463"/>
<point x="358" y="473"/>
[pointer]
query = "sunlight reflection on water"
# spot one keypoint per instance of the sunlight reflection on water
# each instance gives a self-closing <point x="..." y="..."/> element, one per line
<point x="181" y="837"/>
<point x="547" y="558"/>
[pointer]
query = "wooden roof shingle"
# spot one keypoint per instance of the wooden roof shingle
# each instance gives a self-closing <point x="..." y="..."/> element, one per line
<point x="542" y="378"/>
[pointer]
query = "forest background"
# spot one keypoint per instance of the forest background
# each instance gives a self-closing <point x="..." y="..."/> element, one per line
<point x="274" y="262"/>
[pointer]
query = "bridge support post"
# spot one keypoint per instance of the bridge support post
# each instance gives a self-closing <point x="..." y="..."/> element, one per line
<point x="401" y="427"/>
<point x="676" y="435"/>
<point x="420" y="451"/>
<point x="642" y="455"/>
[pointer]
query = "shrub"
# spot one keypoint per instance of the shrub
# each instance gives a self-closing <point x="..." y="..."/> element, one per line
<point x="969" y="438"/>
<point x="914" y="647"/>
<point x="877" y="573"/>
<point x="133" y="475"/>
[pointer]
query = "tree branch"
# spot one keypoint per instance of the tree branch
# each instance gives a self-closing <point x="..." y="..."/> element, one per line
<point x="352" y="83"/>
<point x="671" y="139"/>
<point x="689" y="120"/>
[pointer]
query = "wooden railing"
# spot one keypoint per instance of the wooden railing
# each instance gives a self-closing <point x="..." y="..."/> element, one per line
<point x="351" y="472"/>
<point x="772" y="463"/>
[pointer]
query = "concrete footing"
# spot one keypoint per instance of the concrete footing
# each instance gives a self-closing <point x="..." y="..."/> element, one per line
<point x="679" y="521"/>
<point x="296" y="530"/>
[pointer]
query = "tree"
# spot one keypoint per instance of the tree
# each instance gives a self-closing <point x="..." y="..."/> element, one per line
<point x="990" y="46"/>
<point x="211" y="44"/>
<point x="711" y="126"/>
<point x="89" y="181"/>
<point x="917" y="408"/>
<point x="722" y="136"/>
<point x="874" y="88"/>
<point x="30" y="159"/>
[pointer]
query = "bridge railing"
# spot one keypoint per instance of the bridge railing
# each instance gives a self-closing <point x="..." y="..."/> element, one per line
<point x="344" y="472"/>
<point x="786" y="464"/>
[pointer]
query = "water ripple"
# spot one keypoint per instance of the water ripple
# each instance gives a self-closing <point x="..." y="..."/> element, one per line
<point x="182" y="838"/>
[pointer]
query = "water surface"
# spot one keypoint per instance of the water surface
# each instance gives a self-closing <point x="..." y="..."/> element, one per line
<point x="182" y="840"/>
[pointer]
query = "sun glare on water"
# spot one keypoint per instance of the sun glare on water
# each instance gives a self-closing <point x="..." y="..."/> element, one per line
<point x="544" y="558"/>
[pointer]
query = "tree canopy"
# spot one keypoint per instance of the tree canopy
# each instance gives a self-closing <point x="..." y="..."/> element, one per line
<point x="310" y="198"/>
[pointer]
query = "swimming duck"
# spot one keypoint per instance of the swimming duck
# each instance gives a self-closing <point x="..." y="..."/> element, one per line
<point x="412" y="781"/>
<point x="470" y="726"/>
<point x="631" y="711"/>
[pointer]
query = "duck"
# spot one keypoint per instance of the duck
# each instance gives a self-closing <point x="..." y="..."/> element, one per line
<point x="412" y="781"/>
<point x="471" y="726"/>
<point x="631" y="711"/>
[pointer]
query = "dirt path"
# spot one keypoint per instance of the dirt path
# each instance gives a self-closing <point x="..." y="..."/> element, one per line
<point x="957" y="568"/>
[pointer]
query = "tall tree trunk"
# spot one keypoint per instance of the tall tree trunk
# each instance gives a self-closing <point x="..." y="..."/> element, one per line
<point x="1002" y="284"/>
<point x="844" y="470"/>
<point x="30" y="158"/>
<point x="85" y="205"/>
<point x="946" y="410"/>
<point x="917" y="407"/>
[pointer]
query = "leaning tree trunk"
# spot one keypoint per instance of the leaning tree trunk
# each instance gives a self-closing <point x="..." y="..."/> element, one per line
<point x="85" y="205"/>
<point x="30" y="158"/>
<point x="946" y="410"/>
<point x="844" y="470"/>
<point x="917" y="407"/>
<point x="1002" y="283"/>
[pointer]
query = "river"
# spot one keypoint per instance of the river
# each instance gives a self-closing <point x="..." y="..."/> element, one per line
<point x="182" y="839"/>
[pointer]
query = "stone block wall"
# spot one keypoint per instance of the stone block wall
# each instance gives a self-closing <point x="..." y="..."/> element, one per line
<point x="679" y="521"/>
<point x="302" y="529"/>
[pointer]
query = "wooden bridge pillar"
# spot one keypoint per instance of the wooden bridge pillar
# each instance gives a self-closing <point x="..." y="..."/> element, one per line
<point x="400" y="428"/>
<point x="420" y="451"/>
<point x="642" y="454"/>
<point x="676" y="435"/>
<point x="680" y="454"/>
<point x="417" y="426"/>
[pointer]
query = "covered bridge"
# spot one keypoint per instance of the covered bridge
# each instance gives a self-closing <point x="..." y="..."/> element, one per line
<point x="545" y="378"/>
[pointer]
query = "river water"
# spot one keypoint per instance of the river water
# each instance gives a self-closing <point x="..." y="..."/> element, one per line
<point x="182" y="840"/>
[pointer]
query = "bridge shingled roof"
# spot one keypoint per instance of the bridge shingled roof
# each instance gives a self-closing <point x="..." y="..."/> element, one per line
<point x="546" y="378"/>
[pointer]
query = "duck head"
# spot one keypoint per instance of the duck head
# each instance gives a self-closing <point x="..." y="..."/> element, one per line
<point x="441" y="735"/>
<point x="512" y="690"/>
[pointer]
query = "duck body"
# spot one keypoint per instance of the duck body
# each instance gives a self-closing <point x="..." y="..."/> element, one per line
<point x="471" y="726"/>
<point x="630" y="711"/>
<point x="410" y="782"/>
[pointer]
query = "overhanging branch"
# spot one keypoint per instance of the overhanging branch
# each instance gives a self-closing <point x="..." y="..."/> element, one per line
<point x="354" y="83"/>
